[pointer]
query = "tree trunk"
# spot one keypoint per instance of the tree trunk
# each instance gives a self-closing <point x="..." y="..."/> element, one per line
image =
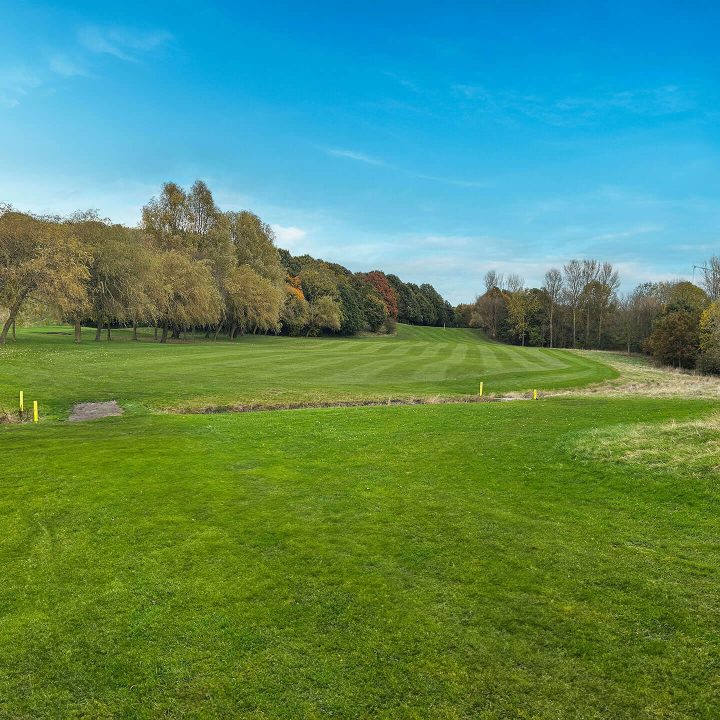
<point x="99" y="329"/>
<point x="551" y="325"/>
<point x="233" y="328"/>
<point x="175" y="334"/>
<point x="108" y="331"/>
<point x="14" y="310"/>
<point x="217" y="332"/>
<point x="163" y="339"/>
<point x="6" y="327"/>
<point x="156" y="330"/>
<point x="574" y="327"/>
<point x="78" y="331"/>
<point x="13" y="331"/>
<point x="135" y="337"/>
<point x="587" y="327"/>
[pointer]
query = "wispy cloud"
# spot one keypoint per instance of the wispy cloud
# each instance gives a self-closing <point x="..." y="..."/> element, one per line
<point x="369" y="160"/>
<point x="453" y="181"/>
<point x="632" y="232"/>
<point x="404" y="82"/>
<point x="577" y="110"/>
<point x="128" y="45"/>
<point x="122" y="43"/>
<point x="15" y="83"/>
<point x="66" y="66"/>
<point x="354" y="155"/>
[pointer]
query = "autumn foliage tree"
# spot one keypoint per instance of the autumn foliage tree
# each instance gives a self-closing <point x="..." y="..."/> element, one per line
<point x="379" y="281"/>
<point x="40" y="259"/>
<point x="188" y="265"/>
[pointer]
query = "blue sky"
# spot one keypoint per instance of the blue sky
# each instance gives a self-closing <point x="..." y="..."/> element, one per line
<point x="433" y="140"/>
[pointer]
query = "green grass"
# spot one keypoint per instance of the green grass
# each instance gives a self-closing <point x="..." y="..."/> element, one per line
<point x="691" y="447"/>
<point x="418" y="362"/>
<point x="551" y="559"/>
<point x="457" y="561"/>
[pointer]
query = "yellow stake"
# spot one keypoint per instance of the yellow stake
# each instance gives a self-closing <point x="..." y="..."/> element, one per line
<point x="534" y="394"/>
<point x="22" y="401"/>
<point x="481" y="388"/>
<point x="35" y="412"/>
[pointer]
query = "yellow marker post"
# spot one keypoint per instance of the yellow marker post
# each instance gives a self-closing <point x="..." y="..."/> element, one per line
<point x="35" y="411"/>
<point x="22" y="401"/>
<point x="534" y="394"/>
<point x="481" y="388"/>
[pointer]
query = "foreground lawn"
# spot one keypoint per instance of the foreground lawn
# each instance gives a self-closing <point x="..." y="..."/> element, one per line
<point x="466" y="561"/>
<point x="418" y="362"/>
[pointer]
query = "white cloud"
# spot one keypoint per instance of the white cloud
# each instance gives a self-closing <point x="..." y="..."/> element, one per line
<point x="625" y="234"/>
<point x="15" y="83"/>
<point x="288" y="236"/>
<point x="122" y="43"/>
<point x="571" y="111"/>
<point x="453" y="181"/>
<point x="63" y="65"/>
<point x="407" y="84"/>
<point x="368" y="160"/>
<point x="353" y="155"/>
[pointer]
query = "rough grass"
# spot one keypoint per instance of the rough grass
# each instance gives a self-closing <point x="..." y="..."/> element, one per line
<point x="447" y="561"/>
<point x="676" y="448"/>
<point x="277" y="371"/>
<point x="638" y="375"/>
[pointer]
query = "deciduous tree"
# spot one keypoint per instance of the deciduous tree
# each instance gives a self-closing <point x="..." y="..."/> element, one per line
<point x="553" y="288"/>
<point x="324" y="314"/>
<point x="42" y="260"/>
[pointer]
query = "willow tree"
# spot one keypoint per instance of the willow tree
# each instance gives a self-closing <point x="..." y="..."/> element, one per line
<point x="40" y="259"/>
<point x="254" y="245"/>
<point x="124" y="278"/>
<point x="252" y="302"/>
<point x="165" y="218"/>
<point x="190" y="223"/>
<point x="324" y="313"/>
<point x="189" y="295"/>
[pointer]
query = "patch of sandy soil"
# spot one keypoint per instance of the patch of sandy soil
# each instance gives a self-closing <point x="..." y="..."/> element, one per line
<point x="94" y="411"/>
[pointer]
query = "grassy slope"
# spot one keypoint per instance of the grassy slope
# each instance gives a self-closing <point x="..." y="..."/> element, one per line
<point x="417" y="362"/>
<point x="435" y="562"/>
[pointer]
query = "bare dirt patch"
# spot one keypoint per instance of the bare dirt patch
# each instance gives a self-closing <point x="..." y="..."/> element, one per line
<point x="263" y="407"/>
<point x="94" y="411"/>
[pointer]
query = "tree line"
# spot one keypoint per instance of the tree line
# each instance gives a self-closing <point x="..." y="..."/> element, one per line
<point x="578" y="306"/>
<point x="190" y="267"/>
